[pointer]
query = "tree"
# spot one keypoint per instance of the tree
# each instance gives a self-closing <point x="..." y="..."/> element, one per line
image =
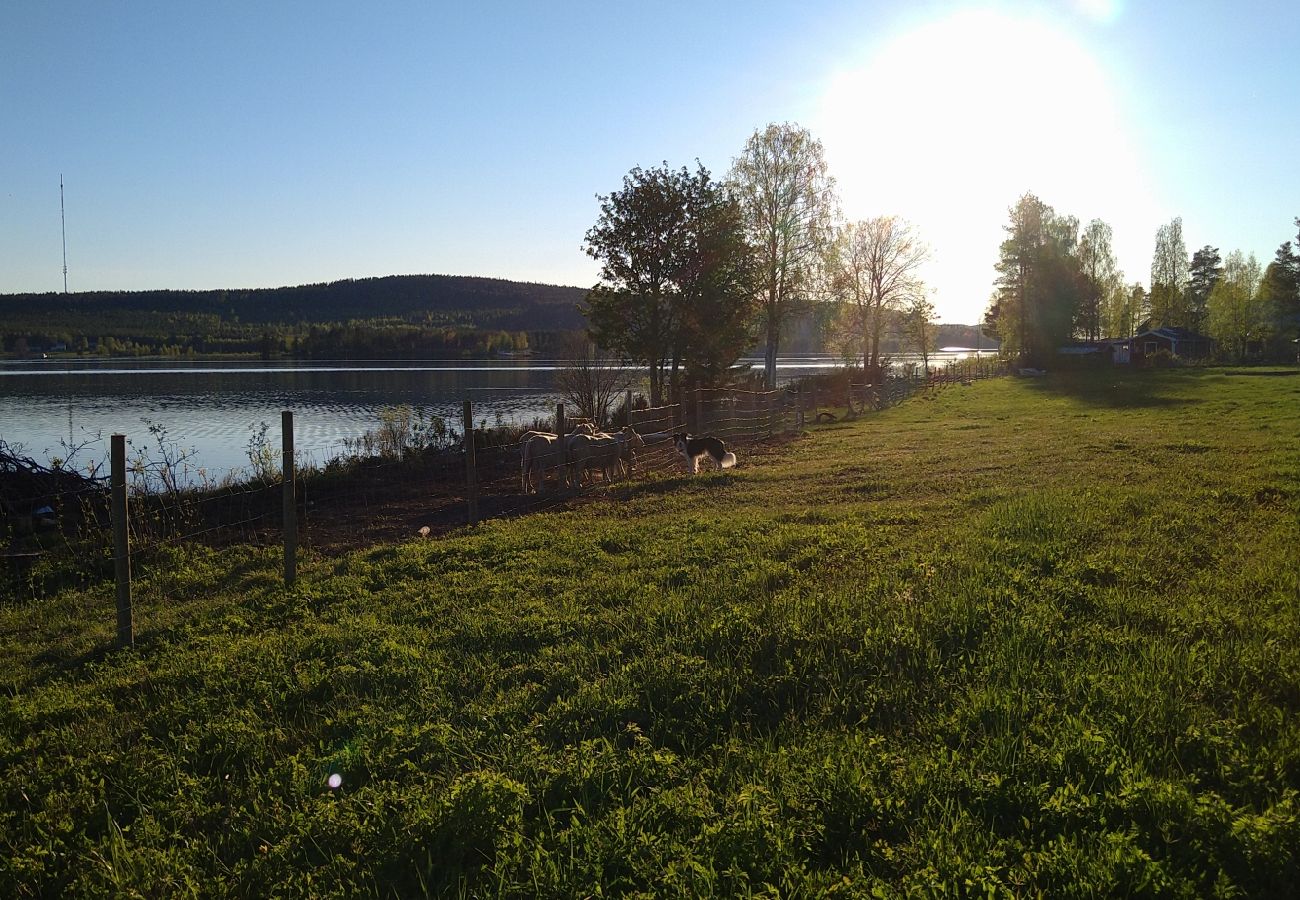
<point x="718" y="300"/>
<point x="1039" y="283"/>
<point x="1280" y="289"/>
<point x="676" y="275"/>
<point x="918" y="327"/>
<point x="788" y="198"/>
<point x="875" y="269"/>
<point x="1169" y="277"/>
<point x="1205" y="271"/>
<point x="1125" y="308"/>
<point x="1239" y="315"/>
<point x="591" y="380"/>
<point x="641" y="241"/>
<point x="1103" y="280"/>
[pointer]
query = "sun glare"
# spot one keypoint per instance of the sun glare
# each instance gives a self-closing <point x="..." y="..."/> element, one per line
<point x="1103" y="12"/>
<point x="948" y="124"/>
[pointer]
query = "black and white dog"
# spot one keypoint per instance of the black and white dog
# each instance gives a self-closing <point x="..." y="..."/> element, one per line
<point x="693" y="449"/>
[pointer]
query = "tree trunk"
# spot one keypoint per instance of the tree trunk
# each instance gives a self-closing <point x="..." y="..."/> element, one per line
<point x="769" y="358"/>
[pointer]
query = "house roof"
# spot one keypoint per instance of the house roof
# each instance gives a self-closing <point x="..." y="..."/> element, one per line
<point x="1171" y="333"/>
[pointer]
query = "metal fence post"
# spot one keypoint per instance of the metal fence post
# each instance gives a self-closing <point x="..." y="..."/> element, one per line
<point x="121" y="542"/>
<point x="699" y="410"/>
<point x="471" y="470"/>
<point x="290" y="514"/>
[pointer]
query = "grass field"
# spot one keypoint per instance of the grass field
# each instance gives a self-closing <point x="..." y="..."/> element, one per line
<point x="1022" y="637"/>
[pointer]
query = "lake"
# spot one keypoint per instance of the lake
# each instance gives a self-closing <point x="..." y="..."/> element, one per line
<point x="214" y="408"/>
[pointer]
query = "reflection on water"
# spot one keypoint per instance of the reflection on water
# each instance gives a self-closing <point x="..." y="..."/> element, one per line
<point x="213" y="407"/>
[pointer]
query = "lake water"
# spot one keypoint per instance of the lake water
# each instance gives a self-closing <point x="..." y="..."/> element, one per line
<point x="213" y="408"/>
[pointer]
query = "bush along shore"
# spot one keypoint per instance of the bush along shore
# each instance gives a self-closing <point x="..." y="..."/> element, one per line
<point x="1031" y="636"/>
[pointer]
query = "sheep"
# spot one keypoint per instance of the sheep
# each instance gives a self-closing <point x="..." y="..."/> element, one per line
<point x="607" y="452"/>
<point x="541" y="450"/>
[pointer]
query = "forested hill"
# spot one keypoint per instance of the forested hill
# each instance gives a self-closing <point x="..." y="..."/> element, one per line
<point x="487" y="302"/>
<point x="397" y="313"/>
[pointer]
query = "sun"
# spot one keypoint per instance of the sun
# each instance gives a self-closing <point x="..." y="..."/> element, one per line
<point x="949" y="123"/>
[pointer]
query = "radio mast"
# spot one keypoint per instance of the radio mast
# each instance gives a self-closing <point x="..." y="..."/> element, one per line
<point x="64" y="222"/>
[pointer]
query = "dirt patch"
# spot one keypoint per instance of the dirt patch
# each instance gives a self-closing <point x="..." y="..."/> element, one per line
<point x="393" y="503"/>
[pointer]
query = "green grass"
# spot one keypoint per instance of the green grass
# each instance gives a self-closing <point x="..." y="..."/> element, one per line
<point x="1029" y="636"/>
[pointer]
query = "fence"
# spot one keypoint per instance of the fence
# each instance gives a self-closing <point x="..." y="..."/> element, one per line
<point x="404" y="493"/>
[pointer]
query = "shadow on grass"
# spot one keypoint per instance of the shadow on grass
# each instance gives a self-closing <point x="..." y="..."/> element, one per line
<point x="162" y="611"/>
<point x="1267" y="372"/>
<point x="705" y="481"/>
<point x="1116" y="388"/>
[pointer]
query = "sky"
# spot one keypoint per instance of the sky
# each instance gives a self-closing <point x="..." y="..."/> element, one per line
<point x="257" y="144"/>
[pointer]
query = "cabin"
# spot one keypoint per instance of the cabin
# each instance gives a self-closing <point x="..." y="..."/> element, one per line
<point x="1180" y="342"/>
<point x="1113" y="350"/>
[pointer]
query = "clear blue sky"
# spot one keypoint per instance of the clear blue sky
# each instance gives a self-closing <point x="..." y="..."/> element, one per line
<point x="238" y="144"/>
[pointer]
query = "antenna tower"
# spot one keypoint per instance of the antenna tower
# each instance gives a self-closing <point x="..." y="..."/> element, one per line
<point x="64" y="222"/>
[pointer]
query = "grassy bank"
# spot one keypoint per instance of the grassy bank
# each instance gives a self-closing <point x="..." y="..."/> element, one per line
<point x="1028" y="635"/>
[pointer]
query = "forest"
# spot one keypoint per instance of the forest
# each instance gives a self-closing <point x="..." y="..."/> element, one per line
<point x="400" y="315"/>
<point x="1055" y="286"/>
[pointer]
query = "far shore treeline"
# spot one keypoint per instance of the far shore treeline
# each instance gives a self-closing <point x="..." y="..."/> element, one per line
<point x="398" y="316"/>
<point x="394" y="316"/>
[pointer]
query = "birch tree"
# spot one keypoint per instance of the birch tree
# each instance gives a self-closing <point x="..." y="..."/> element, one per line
<point x="876" y="269"/>
<point x="787" y="197"/>
<point x="1103" y="280"/>
<point x="1238" y="314"/>
<point x="918" y="327"/>
<point x="1170" y="275"/>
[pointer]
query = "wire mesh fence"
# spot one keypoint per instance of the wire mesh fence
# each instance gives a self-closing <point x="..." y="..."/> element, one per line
<point x="64" y="530"/>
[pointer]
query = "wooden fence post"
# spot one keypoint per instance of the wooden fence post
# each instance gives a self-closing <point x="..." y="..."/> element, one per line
<point x="471" y="469"/>
<point x="627" y="404"/>
<point x="699" y="410"/>
<point x="121" y="542"/>
<point x="290" y="515"/>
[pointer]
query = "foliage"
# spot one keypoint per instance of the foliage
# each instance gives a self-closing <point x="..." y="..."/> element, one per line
<point x="1204" y="274"/>
<point x="875" y="270"/>
<point x="1040" y="283"/>
<point x="263" y="461"/>
<point x="1170" y="278"/>
<point x="788" y="200"/>
<point x="592" y="381"/>
<point x="402" y="430"/>
<point x="718" y="298"/>
<point x="1129" y="308"/>
<point x="1239" y="316"/>
<point x="1280" y="291"/>
<point x="1103" y="286"/>
<point x="918" y="328"/>
<point x="675" y="275"/>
